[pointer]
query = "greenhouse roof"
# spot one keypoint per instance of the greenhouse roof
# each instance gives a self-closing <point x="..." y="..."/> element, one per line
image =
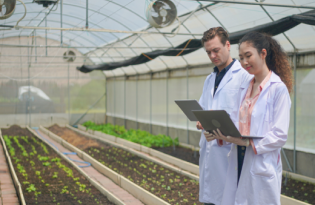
<point x="128" y="17"/>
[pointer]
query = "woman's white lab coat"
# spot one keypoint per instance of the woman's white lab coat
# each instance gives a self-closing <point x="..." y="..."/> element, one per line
<point x="260" y="180"/>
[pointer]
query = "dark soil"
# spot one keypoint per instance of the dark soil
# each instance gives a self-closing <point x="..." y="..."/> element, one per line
<point x="48" y="188"/>
<point x="303" y="191"/>
<point x="181" y="153"/>
<point x="164" y="183"/>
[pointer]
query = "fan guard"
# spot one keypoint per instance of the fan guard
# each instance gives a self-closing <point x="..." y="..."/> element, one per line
<point x="161" y="13"/>
<point x="7" y="8"/>
<point x="69" y="56"/>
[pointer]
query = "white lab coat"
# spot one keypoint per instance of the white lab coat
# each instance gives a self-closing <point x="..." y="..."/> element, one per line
<point x="260" y="180"/>
<point x="213" y="159"/>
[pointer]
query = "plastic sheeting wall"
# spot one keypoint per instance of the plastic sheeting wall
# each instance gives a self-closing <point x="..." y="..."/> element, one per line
<point x="70" y="92"/>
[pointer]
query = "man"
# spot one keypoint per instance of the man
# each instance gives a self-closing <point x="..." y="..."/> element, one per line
<point x="221" y="91"/>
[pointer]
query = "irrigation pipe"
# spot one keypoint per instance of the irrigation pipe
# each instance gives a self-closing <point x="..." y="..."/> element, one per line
<point x="65" y="153"/>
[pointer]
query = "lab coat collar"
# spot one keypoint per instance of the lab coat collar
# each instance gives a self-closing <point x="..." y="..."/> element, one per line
<point x="229" y="75"/>
<point x="274" y="78"/>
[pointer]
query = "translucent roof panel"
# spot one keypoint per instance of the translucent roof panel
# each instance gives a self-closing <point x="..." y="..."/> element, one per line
<point x="129" y="16"/>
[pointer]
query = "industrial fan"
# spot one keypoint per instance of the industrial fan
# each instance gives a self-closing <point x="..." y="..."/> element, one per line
<point x="45" y="3"/>
<point x="161" y="13"/>
<point x="7" y="8"/>
<point x="69" y="56"/>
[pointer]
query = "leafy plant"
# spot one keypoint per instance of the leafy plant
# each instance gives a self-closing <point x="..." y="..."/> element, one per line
<point x="137" y="136"/>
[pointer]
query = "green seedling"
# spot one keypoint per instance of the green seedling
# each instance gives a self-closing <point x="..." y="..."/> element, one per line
<point x="46" y="164"/>
<point x="31" y="188"/>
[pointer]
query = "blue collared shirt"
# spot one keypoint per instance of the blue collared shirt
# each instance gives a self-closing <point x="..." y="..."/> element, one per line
<point x="220" y="75"/>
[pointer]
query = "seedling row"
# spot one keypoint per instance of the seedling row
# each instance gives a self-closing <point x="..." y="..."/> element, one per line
<point x="171" y="186"/>
<point x="45" y="178"/>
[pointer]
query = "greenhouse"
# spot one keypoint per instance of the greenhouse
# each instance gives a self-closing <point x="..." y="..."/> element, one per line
<point x="88" y="91"/>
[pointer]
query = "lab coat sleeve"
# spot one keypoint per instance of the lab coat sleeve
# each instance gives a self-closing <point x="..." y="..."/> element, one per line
<point x="277" y="136"/>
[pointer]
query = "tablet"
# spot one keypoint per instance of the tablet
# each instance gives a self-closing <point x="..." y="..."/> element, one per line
<point x="187" y="106"/>
<point x="214" y="119"/>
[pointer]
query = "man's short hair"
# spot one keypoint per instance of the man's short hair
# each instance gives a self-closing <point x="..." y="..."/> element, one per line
<point x="213" y="32"/>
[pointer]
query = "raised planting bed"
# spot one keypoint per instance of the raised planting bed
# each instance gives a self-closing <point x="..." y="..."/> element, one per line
<point x="299" y="193"/>
<point x="165" y="183"/>
<point x="45" y="177"/>
<point x="161" y="143"/>
<point x="302" y="190"/>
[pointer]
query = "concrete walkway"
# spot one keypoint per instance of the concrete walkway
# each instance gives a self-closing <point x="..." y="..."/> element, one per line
<point x="108" y="184"/>
<point x="7" y="191"/>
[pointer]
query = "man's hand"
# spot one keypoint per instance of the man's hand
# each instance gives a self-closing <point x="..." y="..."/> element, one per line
<point x="235" y="140"/>
<point x="209" y="136"/>
<point x="199" y="126"/>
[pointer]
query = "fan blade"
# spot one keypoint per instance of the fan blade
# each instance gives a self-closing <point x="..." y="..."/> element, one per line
<point x="158" y="20"/>
<point x="164" y="20"/>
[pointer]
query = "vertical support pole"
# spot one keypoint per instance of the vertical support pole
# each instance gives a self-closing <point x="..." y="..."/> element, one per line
<point x="69" y="115"/>
<point x="28" y="97"/>
<point x="106" y="94"/>
<point x="46" y="32"/>
<point x="137" y="125"/>
<point x="114" y="101"/>
<point x="87" y="14"/>
<point x="35" y="39"/>
<point x="187" y="88"/>
<point x="151" y="75"/>
<point x="125" y="101"/>
<point x="167" y="117"/>
<point x="61" y="14"/>
<point x="295" y="92"/>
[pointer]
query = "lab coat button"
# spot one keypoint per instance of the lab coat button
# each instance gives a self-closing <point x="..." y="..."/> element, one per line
<point x="243" y="148"/>
<point x="235" y="168"/>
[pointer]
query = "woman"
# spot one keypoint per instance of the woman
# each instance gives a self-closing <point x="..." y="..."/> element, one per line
<point x="255" y="178"/>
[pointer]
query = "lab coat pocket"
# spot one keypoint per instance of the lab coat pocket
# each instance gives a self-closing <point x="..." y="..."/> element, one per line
<point x="261" y="166"/>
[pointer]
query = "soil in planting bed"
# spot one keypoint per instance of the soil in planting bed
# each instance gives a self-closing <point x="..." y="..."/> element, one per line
<point x="182" y="153"/>
<point x="172" y="187"/>
<point x="303" y="191"/>
<point x="45" y="177"/>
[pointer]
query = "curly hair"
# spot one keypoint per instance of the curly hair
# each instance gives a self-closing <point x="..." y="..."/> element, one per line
<point x="215" y="31"/>
<point x="276" y="59"/>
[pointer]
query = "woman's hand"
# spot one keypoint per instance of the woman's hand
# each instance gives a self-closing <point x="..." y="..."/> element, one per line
<point x="209" y="136"/>
<point x="235" y="140"/>
<point x="199" y="126"/>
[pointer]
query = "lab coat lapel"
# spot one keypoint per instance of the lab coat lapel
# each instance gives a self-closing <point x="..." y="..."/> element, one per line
<point x="261" y="105"/>
<point x="211" y="89"/>
<point x="228" y="76"/>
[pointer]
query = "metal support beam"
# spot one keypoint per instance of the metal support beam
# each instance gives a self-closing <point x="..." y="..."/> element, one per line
<point x="151" y="76"/>
<point x="63" y="46"/>
<point x="114" y="121"/>
<point x="167" y="126"/>
<point x="46" y="37"/>
<point x="61" y="21"/>
<point x="295" y="91"/>
<point x="125" y="101"/>
<point x="261" y="4"/>
<point x="87" y="14"/>
<point x="187" y="95"/>
<point x="137" y="79"/>
<point x="69" y="115"/>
